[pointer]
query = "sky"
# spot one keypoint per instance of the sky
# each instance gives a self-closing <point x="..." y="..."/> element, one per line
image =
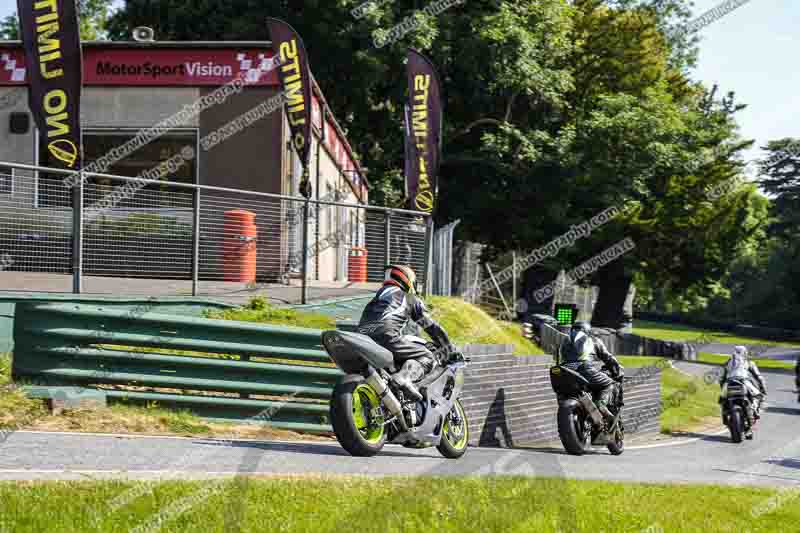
<point x="753" y="51"/>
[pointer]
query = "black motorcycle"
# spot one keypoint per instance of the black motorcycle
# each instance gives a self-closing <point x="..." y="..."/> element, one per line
<point x="738" y="411"/>
<point x="580" y="422"/>
<point x="797" y="378"/>
<point x="368" y="409"/>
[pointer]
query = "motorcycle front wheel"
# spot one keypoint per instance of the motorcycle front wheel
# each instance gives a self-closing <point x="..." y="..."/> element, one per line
<point x="736" y="424"/>
<point x="617" y="446"/>
<point x="573" y="430"/>
<point x="355" y="408"/>
<point x="455" y="433"/>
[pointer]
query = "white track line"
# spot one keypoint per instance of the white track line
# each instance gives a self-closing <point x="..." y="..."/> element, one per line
<point x="677" y="442"/>
<point x="171" y="437"/>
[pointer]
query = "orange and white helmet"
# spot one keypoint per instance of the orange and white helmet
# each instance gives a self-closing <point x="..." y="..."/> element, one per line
<point x="402" y="276"/>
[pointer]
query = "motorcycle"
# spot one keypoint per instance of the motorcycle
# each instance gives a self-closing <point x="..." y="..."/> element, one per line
<point x="368" y="409"/>
<point x="738" y="411"/>
<point x="797" y="378"/>
<point x="580" y="422"/>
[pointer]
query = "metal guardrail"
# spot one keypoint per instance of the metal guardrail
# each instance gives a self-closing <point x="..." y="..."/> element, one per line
<point x="233" y="370"/>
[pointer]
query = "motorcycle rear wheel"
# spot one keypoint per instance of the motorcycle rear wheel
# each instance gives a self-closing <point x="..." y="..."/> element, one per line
<point x="573" y="430"/>
<point x="736" y="424"/>
<point x="455" y="439"/>
<point x="356" y="428"/>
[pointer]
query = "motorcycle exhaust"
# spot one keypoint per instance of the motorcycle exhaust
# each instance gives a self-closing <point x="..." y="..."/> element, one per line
<point x="594" y="413"/>
<point x="389" y="399"/>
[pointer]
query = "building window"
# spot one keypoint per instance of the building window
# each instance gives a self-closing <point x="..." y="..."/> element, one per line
<point x="6" y="180"/>
<point x="163" y="158"/>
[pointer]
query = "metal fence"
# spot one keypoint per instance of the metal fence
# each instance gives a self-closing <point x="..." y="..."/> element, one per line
<point x="442" y="265"/>
<point x="133" y="236"/>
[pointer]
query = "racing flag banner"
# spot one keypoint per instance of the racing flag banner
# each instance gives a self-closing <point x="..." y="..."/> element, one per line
<point x="424" y="135"/>
<point x="408" y="154"/>
<point x="295" y="80"/>
<point x="51" y="39"/>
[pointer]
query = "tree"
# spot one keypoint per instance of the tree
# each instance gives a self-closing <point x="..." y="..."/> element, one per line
<point x="9" y="28"/>
<point x="92" y="17"/>
<point x="780" y="176"/>
<point x="554" y="111"/>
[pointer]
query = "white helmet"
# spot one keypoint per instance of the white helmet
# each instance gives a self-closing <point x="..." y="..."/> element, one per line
<point x="740" y="351"/>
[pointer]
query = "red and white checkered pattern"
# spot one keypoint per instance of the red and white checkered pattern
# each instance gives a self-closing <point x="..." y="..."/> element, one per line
<point x="255" y="69"/>
<point x="9" y="71"/>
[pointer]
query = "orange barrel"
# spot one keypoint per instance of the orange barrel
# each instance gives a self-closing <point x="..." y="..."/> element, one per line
<point x="357" y="264"/>
<point x="239" y="246"/>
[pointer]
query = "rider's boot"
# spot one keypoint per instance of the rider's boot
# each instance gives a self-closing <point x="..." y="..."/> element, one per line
<point x="608" y="415"/>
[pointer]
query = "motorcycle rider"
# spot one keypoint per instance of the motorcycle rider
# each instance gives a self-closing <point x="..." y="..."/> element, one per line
<point x="387" y="314"/>
<point x="739" y="366"/>
<point x="797" y="377"/>
<point x="577" y="353"/>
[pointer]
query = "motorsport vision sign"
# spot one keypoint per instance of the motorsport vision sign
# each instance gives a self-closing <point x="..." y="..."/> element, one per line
<point x="51" y="40"/>
<point x="423" y="121"/>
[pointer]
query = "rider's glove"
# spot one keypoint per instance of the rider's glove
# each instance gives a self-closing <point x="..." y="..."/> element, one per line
<point x="448" y="349"/>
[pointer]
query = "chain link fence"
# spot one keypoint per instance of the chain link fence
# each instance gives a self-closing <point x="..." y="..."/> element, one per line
<point x="147" y="237"/>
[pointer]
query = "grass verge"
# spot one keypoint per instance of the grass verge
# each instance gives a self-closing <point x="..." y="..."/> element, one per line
<point x="394" y="504"/>
<point x="688" y="402"/>
<point x="681" y="332"/>
<point x="258" y="310"/>
<point x="719" y="359"/>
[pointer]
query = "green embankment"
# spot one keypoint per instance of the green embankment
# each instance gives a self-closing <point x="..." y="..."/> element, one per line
<point x="393" y="504"/>
<point x="464" y="322"/>
<point x="719" y="359"/>
<point x="687" y="401"/>
<point x="258" y="310"/>
<point x="680" y="332"/>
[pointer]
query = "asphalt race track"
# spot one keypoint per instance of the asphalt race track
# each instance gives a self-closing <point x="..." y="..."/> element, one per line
<point x="772" y="459"/>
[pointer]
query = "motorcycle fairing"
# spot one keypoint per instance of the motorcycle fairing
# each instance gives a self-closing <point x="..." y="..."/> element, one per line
<point x="429" y="433"/>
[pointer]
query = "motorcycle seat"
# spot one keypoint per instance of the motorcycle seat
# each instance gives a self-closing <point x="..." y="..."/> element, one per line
<point x="344" y="346"/>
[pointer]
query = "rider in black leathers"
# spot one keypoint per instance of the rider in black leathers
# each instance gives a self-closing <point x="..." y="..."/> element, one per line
<point x="386" y="316"/>
<point x="578" y="352"/>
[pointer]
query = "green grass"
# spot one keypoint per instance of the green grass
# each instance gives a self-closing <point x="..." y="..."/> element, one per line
<point x="636" y="361"/>
<point x="719" y="359"/>
<point x="16" y="409"/>
<point x="258" y="310"/>
<point x="466" y="323"/>
<point x="681" y="332"/>
<point x="514" y="504"/>
<point x="687" y="401"/>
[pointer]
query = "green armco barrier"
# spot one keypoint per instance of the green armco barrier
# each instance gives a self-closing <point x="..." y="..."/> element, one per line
<point x="94" y="347"/>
